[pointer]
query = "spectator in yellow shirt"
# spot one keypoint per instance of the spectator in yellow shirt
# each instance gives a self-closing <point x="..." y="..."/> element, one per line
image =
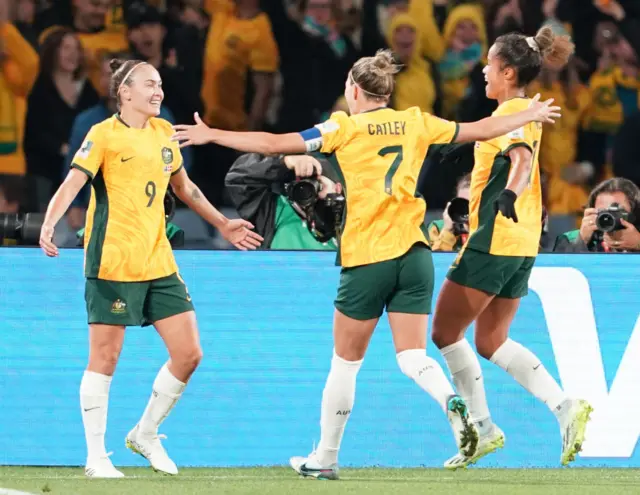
<point x="89" y="21"/>
<point x="18" y="72"/>
<point x="240" y="43"/>
<point x="466" y="39"/>
<point x="414" y="85"/>
<point x="568" y="178"/>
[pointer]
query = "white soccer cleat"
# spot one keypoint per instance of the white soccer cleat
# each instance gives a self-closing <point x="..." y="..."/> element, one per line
<point x="149" y="447"/>
<point x="309" y="467"/>
<point x="573" y="431"/>
<point x="487" y="444"/>
<point x="101" y="467"/>
<point x="464" y="431"/>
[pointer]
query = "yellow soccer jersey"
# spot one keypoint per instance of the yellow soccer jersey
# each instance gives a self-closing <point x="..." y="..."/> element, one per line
<point x="125" y="238"/>
<point x="379" y="155"/>
<point x="496" y="234"/>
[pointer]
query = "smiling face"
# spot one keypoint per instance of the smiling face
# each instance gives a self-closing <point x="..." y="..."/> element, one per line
<point x="499" y="78"/>
<point x="69" y="54"/>
<point x="404" y="38"/>
<point x="145" y="93"/>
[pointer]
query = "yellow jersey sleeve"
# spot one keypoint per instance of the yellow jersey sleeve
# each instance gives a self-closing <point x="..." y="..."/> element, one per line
<point x="524" y="136"/>
<point x="439" y="131"/>
<point x="264" y="56"/>
<point x="90" y="156"/>
<point x="330" y="135"/>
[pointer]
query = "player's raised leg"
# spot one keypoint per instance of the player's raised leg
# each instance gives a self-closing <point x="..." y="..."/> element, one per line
<point x="105" y="344"/>
<point x="456" y="309"/>
<point x="351" y="339"/>
<point x="409" y="307"/>
<point x="493" y="343"/>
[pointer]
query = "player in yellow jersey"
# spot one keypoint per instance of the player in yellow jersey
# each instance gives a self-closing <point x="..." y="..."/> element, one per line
<point x="383" y="247"/>
<point x="492" y="271"/>
<point x="132" y="277"/>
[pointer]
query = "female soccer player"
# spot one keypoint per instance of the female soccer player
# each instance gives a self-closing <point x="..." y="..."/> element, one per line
<point x="132" y="277"/>
<point x="491" y="273"/>
<point x="383" y="246"/>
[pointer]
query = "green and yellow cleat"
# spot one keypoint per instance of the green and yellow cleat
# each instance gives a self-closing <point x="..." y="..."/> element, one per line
<point x="487" y="444"/>
<point x="573" y="433"/>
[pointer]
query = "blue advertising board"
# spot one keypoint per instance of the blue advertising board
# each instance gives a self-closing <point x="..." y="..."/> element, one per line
<point x="265" y="320"/>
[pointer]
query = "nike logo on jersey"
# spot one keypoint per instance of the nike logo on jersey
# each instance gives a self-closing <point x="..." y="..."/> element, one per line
<point x="126" y="159"/>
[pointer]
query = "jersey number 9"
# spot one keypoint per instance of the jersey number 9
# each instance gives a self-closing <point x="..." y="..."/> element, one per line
<point x="150" y="191"/>
<point x="388" y="179"/>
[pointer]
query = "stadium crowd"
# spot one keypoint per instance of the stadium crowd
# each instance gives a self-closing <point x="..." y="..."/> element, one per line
<point x="280" y="66"/>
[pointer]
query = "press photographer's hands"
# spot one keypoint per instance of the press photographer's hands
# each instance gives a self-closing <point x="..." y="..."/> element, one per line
<point x="303" y="165"/>
<point x="588" y="226"/>
<point x="627" y="239"/>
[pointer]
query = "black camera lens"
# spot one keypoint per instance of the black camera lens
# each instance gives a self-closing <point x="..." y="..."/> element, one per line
<point x="606" y="222"/>
<point x="305" y="192"/>
<point x="459" y="210"/>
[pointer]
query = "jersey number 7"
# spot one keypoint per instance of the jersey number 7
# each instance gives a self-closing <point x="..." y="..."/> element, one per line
<point x="388" y="179"/>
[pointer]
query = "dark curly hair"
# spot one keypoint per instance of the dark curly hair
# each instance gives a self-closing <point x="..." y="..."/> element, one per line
<point x="515" y="50"/>
<point x="618" y="184"/>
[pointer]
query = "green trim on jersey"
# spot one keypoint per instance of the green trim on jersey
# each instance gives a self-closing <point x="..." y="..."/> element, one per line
<point x="482" y="237"/>
<point x="82" y="169"/>
<point x="516" y="145"/>
<point x="99" y="227"/>
<point x="455" y="134"/>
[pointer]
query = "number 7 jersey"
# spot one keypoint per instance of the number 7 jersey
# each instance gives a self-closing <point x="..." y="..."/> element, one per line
<point x="130" y="169"/>
<point x="379" y="155"/>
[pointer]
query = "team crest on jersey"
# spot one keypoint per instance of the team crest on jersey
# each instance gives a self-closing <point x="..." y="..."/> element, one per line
<point x="167" y="155"/>
<point x="118" y="307"/>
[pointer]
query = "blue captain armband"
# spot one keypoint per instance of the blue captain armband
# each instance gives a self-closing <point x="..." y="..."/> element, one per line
<point x="312" y="139"/>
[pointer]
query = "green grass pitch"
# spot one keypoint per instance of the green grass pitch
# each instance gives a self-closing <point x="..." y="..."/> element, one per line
<point x="283" y="481"/>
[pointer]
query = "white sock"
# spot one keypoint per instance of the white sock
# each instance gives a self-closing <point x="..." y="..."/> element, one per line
<point x="94" y="401"/>
<point x="427" y="373"/>
<point x="337" y="401"/>
<point x="528" y="371"/>
<point x="467" y="377"/>
<point x="167" y="389"/>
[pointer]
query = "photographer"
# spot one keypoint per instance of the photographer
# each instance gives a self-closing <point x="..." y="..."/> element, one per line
<point x="450" y="233"/>
<point x="294" y="202"/>
<point x="609" y="223"/>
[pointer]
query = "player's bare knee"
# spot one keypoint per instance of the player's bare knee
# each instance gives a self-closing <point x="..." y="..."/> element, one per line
<point x="103" y="359"/>
<point x="486" y="347"/>
<point x="191" y="358"/>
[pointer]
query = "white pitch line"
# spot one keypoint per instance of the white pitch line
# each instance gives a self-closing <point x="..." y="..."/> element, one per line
<point x="8" y="491"/>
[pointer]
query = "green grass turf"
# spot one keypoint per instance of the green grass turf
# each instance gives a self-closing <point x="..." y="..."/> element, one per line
<point x="282" y="481"/>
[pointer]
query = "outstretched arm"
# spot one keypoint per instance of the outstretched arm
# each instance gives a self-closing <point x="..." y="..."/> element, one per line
<point x="58" y="205"/>
<point x="492" y="127"/>
<point x="248" y="142"/>
<point x="237" y="232"/>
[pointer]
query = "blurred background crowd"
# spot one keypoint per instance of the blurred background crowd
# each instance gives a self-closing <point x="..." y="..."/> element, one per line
<point x="280" y="65"/>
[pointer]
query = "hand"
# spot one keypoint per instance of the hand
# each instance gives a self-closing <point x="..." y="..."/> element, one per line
<point x="543" y="111"/>
<point x="46" y="240"/>
<point x="64" y="149"/>
<point x="188" y="135"/>
<point x="611" y="8"/>
<point x="238" y="232"/>
<point x="627" y="239"/>
<point x="506" y="204"/>
<point x="303" y="165"/>
<point x="448" y="223"/>
<point x="172" y="59"/>
<point x="588" y="226"/>
<point x="549" y="8"/>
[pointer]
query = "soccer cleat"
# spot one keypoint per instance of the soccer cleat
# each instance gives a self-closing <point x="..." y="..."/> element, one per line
<point x="149" y="447"/>
<point x="101" y="467"/>
<point x="464" y="431"/>
<point x="309" y="467"/>
<point x="487" y="444"/>
<point x="573" y="432"/>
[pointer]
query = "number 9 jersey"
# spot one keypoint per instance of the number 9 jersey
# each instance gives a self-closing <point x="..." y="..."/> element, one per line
<point x="379" y="155"/>
<point x="129" y="169"/>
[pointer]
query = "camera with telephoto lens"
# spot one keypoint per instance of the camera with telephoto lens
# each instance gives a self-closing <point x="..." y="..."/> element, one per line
<point x="609" y="219"/>
<point x="323" y="216"/>
<point x="20" y="229"/>
<point x="458" y="211"/>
